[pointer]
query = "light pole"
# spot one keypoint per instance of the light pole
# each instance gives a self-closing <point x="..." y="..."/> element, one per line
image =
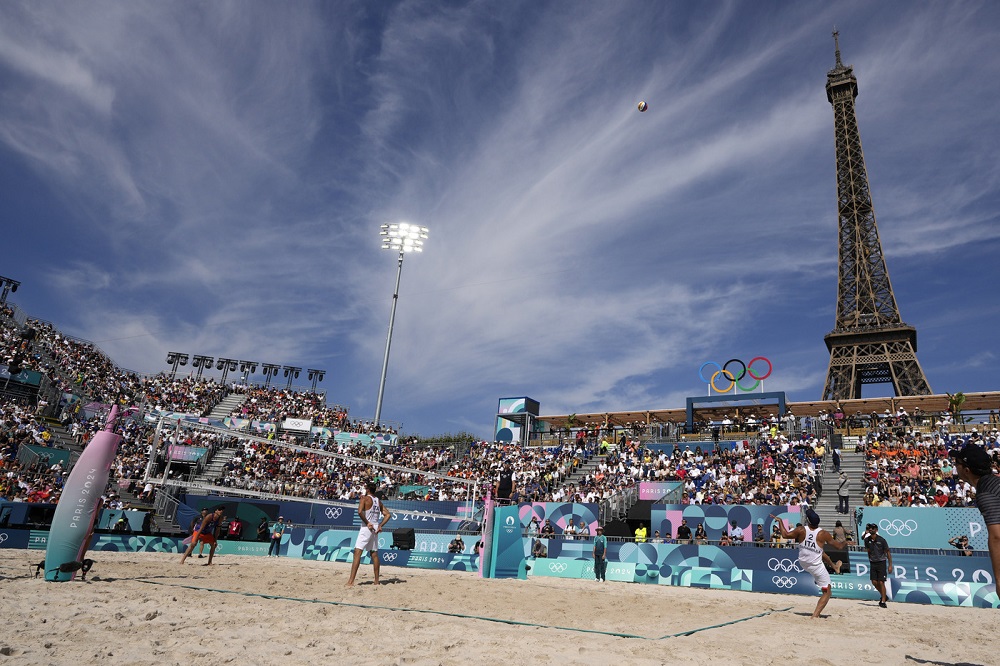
<point x="247" y="368"/>
<point x="226" y="365"/>
<point x="270" y="370"/>
<point x="8" y="286"/>
<point x="201" y="362"/>
<point x="291" y="372"/>
<point x="404" y="238"/>
<point x="316" y="376"/>
<point x="175" y="359"/>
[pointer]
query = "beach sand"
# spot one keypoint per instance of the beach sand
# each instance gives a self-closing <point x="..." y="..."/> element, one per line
<point x="140" y="608"/>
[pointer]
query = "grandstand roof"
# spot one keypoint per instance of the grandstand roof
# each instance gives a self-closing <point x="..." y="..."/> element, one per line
<point x="926" y="403"/>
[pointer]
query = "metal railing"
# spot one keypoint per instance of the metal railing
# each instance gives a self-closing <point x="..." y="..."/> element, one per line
<point x="165" y="504"/>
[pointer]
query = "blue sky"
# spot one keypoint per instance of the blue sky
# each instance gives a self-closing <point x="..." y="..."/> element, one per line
<point x="210" y="178"/>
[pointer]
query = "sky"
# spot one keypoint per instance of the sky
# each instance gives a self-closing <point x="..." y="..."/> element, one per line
<point x="210" y="178"/>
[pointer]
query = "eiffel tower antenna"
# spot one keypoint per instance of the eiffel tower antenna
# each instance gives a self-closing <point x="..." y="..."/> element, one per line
<point x="869" y="344"/>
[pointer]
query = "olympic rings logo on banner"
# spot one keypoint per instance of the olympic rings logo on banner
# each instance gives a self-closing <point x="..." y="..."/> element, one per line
<point x="784" y="581"/>
<point x="557" y="567"/>
<point x="333" y="512"/>
<point x="774" y="564"/>
<point x="903" y="528"/>
<point x="735" y="376"/>
<point x="388" y="557"/>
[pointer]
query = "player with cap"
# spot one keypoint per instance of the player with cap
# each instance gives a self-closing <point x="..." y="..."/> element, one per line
<point x="810" y="540"/>
<point x="975" y="466"/>
<point x="600" y="555"/>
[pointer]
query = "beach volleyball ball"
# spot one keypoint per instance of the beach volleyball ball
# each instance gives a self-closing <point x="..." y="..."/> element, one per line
<point x="643" y="106"/>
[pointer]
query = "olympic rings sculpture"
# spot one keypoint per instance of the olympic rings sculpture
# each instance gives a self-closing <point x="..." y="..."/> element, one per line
<point x="735" y="377"/>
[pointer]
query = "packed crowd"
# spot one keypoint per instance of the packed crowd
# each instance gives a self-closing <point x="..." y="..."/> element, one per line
<point x="33" y="480"/>
<point x="905" y="467"/>
<point x="913" y="468"/>
<point x="274" y="404"/>
<point x="275" y="467"/>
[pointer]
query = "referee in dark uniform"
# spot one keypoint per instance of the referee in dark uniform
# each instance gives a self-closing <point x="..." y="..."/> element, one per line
<point x="879" y="560"/>
<point x="975" y="466"/>
<point x="505" y="485"/>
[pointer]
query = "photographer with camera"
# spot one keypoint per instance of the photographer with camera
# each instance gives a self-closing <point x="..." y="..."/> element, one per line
<point x="962" y="543"/>
<point x="879" y="558"/>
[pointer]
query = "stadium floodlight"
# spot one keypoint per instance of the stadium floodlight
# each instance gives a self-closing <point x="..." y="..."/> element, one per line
<point x="269" y="370"/>
<point x="247" y="368"/>
<point x="175" y="359"/>
<point x="227" y="365"/>
<point x="316" y="376"/>
<point x="291" y="372"/>
<point x="201" y="362"/>
<point x="404" y="238"/>
<point x="9" y="286"/>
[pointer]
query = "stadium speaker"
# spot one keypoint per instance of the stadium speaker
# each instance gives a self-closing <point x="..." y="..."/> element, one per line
<point x="404" y="539"/>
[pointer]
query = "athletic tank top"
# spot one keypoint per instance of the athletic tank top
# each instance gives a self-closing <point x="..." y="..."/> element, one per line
<point x="810" y="552"/>
<point x="374" y="514"/>
<point x="208" y="527"/>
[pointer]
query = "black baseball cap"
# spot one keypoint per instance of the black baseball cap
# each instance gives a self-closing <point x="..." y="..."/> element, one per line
<point x="974" y="457"/>
<point x="812" y="517"/>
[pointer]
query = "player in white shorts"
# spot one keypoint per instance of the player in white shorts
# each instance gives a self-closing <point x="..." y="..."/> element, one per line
<point x="810" y="541"/>
<point x="374" y="516"/>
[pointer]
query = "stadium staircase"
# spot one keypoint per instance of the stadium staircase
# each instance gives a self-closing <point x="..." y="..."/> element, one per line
<point x="227" y="405"/>
<point x="826" y="505"/>
<point x="213" y="468"/>
<point x="585" y="468"/>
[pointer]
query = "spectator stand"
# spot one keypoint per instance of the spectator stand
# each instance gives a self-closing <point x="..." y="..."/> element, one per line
<point x="223" y="444"/>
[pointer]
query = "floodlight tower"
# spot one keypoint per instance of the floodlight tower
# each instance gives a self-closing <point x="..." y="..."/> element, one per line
<point x="247" y="368"/>
<point x="7" y="286"/>
<point x="269" y="370"/>
<point x="201" y="362"/>
<point x="404" y="238"/>
<point x="227" y="365"/>
<point x="175" y="359"/>
<point x="291" y="372"/>
<point x="316" y="376"/>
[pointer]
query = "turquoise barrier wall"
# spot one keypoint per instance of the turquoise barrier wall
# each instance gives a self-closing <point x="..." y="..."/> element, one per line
<point x="928" y="579"/>
<point x="928" y="527"/>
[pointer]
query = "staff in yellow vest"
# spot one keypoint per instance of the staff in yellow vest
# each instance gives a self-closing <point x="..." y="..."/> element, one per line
<point x="640" y="533"/>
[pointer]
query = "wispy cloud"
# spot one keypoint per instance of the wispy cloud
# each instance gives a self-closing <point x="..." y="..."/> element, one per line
<point x="214" y="176"/>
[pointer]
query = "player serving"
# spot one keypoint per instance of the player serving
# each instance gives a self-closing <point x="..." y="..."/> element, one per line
<point x="810" y="541"/>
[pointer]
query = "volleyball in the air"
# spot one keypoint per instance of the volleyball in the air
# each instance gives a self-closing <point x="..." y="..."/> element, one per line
<point x="643" y="106"/>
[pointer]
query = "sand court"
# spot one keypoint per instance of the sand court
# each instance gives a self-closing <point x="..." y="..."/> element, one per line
<point x="145" y="608"/>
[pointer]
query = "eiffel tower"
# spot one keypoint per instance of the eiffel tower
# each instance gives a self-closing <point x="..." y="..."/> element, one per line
<point x="870" y="343"/>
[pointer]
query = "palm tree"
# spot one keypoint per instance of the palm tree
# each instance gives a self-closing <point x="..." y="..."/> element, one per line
<point x="955" y="402"/>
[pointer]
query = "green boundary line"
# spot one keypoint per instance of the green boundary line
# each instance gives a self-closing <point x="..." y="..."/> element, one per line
<point x="461" y="615"/>
<point x="723" y="624"/>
